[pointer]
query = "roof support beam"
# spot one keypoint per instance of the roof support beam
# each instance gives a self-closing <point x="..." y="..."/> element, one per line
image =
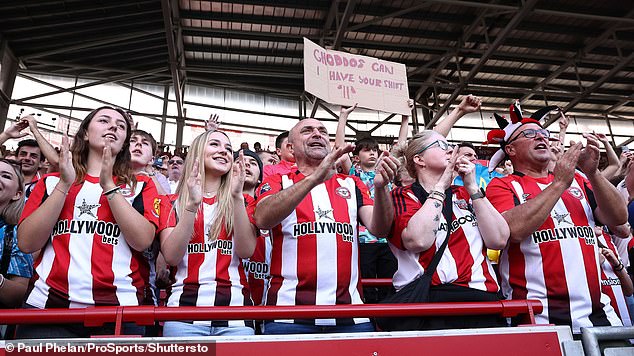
<point x="445" y="58"/>
<point x="526" y="8"/>
<point x="176" y="61"/>
<point x="92" y="43"/>
<point x="343" y="24"/>
<point x="619" y="104"/>
<point x="594" y="86"/>
<point x="98" y="82"/>
<point x="581" y="53"/>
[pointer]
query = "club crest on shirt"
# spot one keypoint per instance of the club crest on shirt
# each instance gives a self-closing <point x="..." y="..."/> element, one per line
<point x="265" y="188"/>
<point x="87" y="209"/>
<point x="343" y="192"/>
<point x="526" y="196"/>
<point x="575" y="192"/>
<point x="156" y="211"/>
<point x="462" y="204"/>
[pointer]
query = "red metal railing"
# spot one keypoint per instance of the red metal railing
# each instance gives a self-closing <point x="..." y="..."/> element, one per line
<point x="147" y="315"/>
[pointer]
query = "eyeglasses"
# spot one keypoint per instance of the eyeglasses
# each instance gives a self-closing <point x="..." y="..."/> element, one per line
<point x="532" y="133"/>
<point x="171" y="161"/>
<point x="442" y="144"/>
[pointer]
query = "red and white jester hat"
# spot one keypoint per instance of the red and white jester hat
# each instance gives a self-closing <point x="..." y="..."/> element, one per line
<point x="506" y="130"/>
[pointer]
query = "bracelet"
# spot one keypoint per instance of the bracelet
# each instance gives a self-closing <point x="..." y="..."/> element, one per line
<point x="440" y="195"/>
<point x="110" y="191"/>
<point x="617" y="269"/>
<point x="59" y="189"/>
<point x="436" y="198"/>
<point x="111" y="195"/>
<point x="477" y="195"/>
<point x="2" y="280"/>
<point x="192" y="211"/>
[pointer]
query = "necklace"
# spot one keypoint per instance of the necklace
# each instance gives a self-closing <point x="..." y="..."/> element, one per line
<point x="209" y="194"/>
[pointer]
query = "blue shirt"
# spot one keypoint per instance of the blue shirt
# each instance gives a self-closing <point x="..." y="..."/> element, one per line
<point x="21" y="264"/>
<point x="483" y="177"/>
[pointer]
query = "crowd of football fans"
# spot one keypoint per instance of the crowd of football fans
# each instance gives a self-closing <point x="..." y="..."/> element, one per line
<point x="111" y="219"/>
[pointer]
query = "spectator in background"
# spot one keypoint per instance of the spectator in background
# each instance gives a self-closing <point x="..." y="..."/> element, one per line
<point x="287" y="161"/>
<point x="142" y="147"/>
<point x="483" y="176"/>
<point x="30" y="152"/>
<point x="257" y="147"/>
<point x="174" y="171"/>
<point x="244" y="146"/>
<point x="253" y="170"/>
<point x="268" y="158"/>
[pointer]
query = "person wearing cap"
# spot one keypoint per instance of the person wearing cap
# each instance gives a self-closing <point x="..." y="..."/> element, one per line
<point x="253" y="166"/>
<point x="552" y="254"/>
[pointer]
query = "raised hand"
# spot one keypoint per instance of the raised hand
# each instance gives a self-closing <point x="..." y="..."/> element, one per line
<point x="410" y="104"/>
<point x="589" y="157"/>
<point x="327" y="166"/>
<point x="563" y="121"/>
<point x="66" y="169"/>
<point x="466" y="170"/>
<point x="469" y="104"/>
<point x="15" y="130"/>
<point x="564" y="170"/>
<point x="447" y="176"/>
<point x="213" y="122"/>
<point x="194" y="187"/>
<point x="239" y="176"/>
<point x="349" y="109"/>
<point x="107" y="164"/>
<point x="386" y="169"/>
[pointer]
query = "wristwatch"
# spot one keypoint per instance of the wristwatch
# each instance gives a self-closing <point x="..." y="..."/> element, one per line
<point x="477" y="195"/>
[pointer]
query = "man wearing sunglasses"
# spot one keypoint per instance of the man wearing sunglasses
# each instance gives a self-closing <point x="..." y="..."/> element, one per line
<point x="174" y="171"/>
<point x="552" y="254"/>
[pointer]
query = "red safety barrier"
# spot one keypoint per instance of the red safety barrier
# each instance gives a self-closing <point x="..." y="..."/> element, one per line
<point x="147" y="315"/>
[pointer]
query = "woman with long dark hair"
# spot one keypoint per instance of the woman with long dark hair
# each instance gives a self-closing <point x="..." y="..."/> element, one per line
<point x="90" y="222"/>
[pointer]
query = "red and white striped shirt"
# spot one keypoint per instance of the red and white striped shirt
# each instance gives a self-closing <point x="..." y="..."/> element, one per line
<point x="464" y="261"/>
<point x="258" y="268"/>
<point x="315" y="254"/>
<point x="87" y="261"/>
<point x="211" y="273"/>
<point x="611" y="284"/>
<point x="559" y="263"/>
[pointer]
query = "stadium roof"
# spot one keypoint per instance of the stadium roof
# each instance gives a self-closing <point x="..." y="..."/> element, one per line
<point x="576" y="54"/>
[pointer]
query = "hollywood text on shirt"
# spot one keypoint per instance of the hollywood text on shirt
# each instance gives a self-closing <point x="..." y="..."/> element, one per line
<point x="108" y="231"/>
<point x="225" y="247"/>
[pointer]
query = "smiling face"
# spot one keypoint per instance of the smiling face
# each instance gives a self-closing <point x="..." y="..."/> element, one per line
<point x="29" y="158"/>
<point x="10" y="189"/>
<point x="106" y="126"/>
<point x="218" y="154"/>
<point x="310" y="141"/>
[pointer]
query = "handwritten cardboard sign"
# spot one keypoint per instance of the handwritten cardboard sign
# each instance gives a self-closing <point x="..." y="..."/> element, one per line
<point x="344" y="79"/>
